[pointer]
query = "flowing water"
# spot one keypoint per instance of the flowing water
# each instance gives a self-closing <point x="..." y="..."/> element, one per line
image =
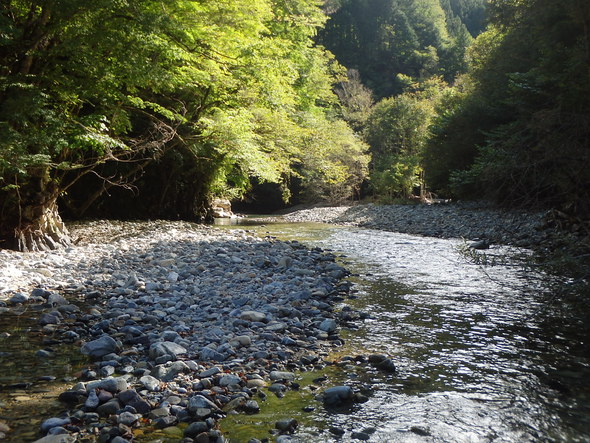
<point x="485" y="352"/>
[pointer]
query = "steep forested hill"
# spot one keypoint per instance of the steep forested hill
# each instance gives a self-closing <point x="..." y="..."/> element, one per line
<point x="418" y="38"/>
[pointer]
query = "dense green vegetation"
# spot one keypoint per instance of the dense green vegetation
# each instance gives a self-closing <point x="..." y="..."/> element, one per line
<point x="176" y="102"/>
<point x="518" y="129"/>
<point x="510" y="124"/>
<point x="137" y="108"/>
<point x="385" y="38"/>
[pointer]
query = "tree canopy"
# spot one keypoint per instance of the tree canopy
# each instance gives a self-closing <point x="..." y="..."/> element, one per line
<point x="384" y="38"/>
<point x="138" y="108"/>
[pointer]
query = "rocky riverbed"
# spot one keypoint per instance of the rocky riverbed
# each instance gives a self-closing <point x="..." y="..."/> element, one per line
<point x="469" y="220"/>
<point x="182" y="324"/>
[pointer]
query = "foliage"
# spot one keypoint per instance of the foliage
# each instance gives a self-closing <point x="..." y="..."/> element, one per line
<point x="334" y="162"/>
<point x="356" y="100"/>
<point x="384" y="38"/>
<point x="93" y="95"/>
<point x="528" y="107"/>
<point x="397" y="131"/>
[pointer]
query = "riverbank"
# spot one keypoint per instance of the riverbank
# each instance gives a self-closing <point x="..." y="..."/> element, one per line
<point x="182" y="324"/>
<point x="561" y="243"/>
<point x="467" y="220"/>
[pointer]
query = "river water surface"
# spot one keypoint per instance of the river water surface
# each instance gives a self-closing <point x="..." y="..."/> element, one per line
<point x="485" y="352"/>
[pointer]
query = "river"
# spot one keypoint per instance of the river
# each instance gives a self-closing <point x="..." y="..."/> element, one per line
<point x="485" y="352"/>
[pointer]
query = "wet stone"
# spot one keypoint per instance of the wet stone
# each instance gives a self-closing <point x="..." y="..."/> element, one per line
<point x="338" y="395"/>
<point x="287" y="425"/>
<point x="54" y="422"/>
<point x="337" y="431"/>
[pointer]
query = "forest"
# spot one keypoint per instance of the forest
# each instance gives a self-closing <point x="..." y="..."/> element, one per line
<point x="149" y="109"/>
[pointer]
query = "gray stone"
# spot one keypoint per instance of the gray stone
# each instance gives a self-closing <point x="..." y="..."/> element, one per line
<point x="58" y="430"/>
<point x="177" y="367"/>
<point x="253" y="316"/>
<point x="228" y="380"/>
<point x="287" y="425"/>
<point x="18" y="298"/>
<point x="56" y="300"/>
<point x="282" y="375"/>
<point x="111" y="384"/>
<point x="166" y="349"/>
<point x="195" y="429"/>
<point x="50" y="318"/>
<point x="200" y="402"/>
<point x="241" y="340"/>
<point x="130" y="397"/>
<point x="127" y="418"/>
<point x="56" y="439"/>
<point x="338" y="395"/>
<point x="210" y="372"/>
<point x="165" y="422"/>
<point x="107" y="370"/>
<point x="336" y="430"/>
<point x="480" y="244"/>
<point x="328" y="325"/>
<point x="54" y="422"/>
<point x="150" y="383"/>
<point x="109" y="408"/>
<point x="100" y="347"/>
<point x="208" y="354"/>
<point x="92" y="401"/>
<point x="251" y="407"/>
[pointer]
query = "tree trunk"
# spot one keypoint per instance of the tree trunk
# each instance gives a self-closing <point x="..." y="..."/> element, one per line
<point x="29" y="219"/>
<point x="45" y="231"/>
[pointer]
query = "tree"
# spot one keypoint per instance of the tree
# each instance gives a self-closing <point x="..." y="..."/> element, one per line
<point x="356" y="100"/>
<point x="397" y="131"/>
<point x="383" y="38"/>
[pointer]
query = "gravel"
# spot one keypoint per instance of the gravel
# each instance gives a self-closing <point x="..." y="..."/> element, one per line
<point x="446" y="220"/>
<point x="181" y="323"/>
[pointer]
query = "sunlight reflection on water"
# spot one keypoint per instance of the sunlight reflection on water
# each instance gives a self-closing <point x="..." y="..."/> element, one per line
<point x="479" y="352"/>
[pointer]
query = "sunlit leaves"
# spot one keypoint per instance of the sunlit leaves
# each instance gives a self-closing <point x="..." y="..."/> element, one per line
<point x="231" y="84"/>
